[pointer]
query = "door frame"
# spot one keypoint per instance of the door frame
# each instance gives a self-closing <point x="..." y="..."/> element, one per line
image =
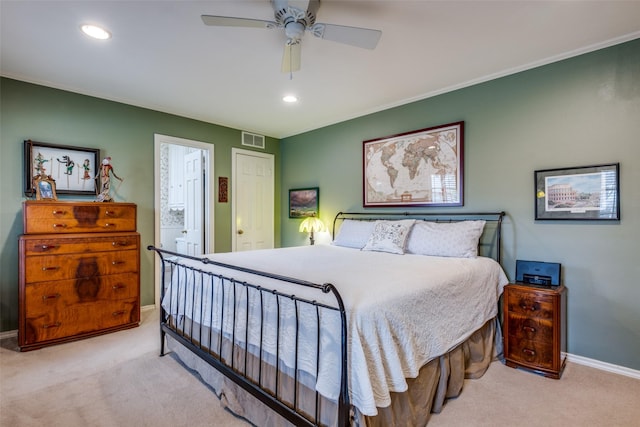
<point x="234" y="223"/>
<point x="208" y="180"/>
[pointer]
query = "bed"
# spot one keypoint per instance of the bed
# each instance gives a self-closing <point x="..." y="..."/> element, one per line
<point x="380" y="327"/>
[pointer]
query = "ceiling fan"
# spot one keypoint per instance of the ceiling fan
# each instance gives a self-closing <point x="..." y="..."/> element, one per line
<point x="295" y="20"/>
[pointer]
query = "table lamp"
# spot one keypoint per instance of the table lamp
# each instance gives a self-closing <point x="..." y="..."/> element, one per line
<point x="310" y="225"/>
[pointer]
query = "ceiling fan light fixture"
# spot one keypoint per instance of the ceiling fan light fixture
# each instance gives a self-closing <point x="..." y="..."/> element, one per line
<point x="290" y="99"/>
<point x="95" y="32"/>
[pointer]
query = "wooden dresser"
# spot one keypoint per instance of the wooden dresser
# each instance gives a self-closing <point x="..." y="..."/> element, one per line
<point x="535" y="328"/>
<point x="79" y="271"/>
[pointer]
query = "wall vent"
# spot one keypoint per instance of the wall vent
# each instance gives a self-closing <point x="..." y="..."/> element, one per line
<point x="253" y="140"/>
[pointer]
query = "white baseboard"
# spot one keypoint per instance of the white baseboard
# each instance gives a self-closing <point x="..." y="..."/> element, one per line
<point x="604" y="366"/>
<point x="8" y="334"/>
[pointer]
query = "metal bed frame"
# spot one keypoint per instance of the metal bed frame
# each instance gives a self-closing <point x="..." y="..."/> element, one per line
<point x="214" y="354"/>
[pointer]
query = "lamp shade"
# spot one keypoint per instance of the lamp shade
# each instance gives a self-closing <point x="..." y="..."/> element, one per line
<point x="311" y="224"/>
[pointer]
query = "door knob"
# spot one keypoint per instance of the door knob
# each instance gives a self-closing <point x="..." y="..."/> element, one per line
<point x="240" y="232"/>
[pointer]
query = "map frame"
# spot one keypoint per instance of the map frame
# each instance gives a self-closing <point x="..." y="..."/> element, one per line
<point x="426" y="178"/>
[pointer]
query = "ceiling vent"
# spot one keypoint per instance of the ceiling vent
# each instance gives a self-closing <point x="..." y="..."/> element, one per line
<point x="252" y="140"/>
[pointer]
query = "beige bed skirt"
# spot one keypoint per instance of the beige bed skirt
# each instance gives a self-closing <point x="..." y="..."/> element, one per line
<point x="439" y="380"/>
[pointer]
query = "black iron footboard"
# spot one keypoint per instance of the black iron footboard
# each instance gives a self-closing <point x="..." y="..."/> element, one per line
<point x="203" y="299"/>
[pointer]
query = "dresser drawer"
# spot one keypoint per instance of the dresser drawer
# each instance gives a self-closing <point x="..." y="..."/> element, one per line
<point x="533" y="353"/>
<point x="530" y="304"/>
<point x="80" y="319"/>
<point x="46" y="296"/>
<point x="531" y="328"/>
<point x="51" y="245"/>
<point x="59" y="267"/>
<point x="60" y="217"/>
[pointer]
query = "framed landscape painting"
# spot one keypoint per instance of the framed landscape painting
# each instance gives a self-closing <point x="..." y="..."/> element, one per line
<point x="419" y="168"/>
<point x="580" y="193"/>
<point x="304" y="202"/>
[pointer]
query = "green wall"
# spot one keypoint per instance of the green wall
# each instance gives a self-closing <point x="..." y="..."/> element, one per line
<point x="578" y="112"/>
<point x="121" y="131"/>
<point x="581" y="111"/>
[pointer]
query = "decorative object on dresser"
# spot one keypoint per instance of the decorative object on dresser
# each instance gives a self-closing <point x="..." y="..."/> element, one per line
<point x="45" y="187"/>
<point x="72" y="168"/>
<point x="79" y="271"/>
<point x="535" y="328"/>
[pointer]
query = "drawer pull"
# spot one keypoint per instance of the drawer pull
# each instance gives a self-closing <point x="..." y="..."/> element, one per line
<point x="52" y="296"/>
<point x="125" y="243"/>
<point x="48" y="247"/>
<point x="529" y="329"/>
<point x="109" y="213"/>
<point x="59" y="225"/>
<point x="119" y="286"/>
<point x="56" y="212"/>
<point x="50" y="268"/>
<point x="528" y="307"/>
<point x="528" y="352"/>
<point x="118" y="313"/>
<point x="108" y="224"/>
<point x="51" y="325"/>
<point x="118" y="262"/>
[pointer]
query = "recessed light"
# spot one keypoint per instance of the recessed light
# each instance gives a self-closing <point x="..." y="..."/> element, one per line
<point x="290" y="98"/>
<point x="95" y="32"/>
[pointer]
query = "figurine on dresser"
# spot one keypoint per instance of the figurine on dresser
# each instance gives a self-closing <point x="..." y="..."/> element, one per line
<point x="103" y="190"/>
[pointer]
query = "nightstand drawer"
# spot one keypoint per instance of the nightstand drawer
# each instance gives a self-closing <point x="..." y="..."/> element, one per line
<point x="537" y="354"/>
<point x="531" y="328"/>
<point x="530" y="304"/>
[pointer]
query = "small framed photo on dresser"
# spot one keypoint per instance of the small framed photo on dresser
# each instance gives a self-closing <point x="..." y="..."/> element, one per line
<point x="45" y="188"/>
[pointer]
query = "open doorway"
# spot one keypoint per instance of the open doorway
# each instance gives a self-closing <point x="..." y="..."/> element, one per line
<point x="183" y="209"/>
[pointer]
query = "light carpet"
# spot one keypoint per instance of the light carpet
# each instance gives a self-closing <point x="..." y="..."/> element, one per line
<point x="118" y="379"/>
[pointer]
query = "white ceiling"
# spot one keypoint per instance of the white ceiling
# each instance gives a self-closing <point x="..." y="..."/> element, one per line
<point x="164" y="58"/>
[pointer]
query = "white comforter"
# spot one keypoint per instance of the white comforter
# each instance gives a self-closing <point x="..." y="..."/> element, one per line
<point x="402" y="311"/>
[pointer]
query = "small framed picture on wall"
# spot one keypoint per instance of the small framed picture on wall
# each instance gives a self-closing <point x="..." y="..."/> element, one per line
<point x="304" y="202"/>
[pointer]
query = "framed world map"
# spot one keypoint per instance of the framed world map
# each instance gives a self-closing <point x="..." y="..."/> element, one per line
<point x="418" y="168"/>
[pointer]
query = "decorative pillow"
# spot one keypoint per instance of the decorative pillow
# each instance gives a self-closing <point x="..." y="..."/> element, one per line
<point x="353" y="233"/>
<point x="389" y="236"/>
<point x="449" y="239"/>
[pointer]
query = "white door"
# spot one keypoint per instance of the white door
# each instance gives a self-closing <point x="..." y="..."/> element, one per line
<point x="193" y="194"/>
<point x="252" y="195"/>
<point x="207" y="242"/>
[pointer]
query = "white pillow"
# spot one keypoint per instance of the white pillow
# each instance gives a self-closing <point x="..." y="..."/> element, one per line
<point x="353" y="233"/>
<point x="389" y="236"/>
<point x="449" y="239"/>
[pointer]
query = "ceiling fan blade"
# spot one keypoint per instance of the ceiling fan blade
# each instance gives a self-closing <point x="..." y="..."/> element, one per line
<point x="291" y="57"/>
<point x="229" y="21"/>
<point x="354" y="36"/>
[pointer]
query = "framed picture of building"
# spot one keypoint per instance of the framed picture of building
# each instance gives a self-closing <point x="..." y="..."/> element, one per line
<point x="579" y="193"/>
